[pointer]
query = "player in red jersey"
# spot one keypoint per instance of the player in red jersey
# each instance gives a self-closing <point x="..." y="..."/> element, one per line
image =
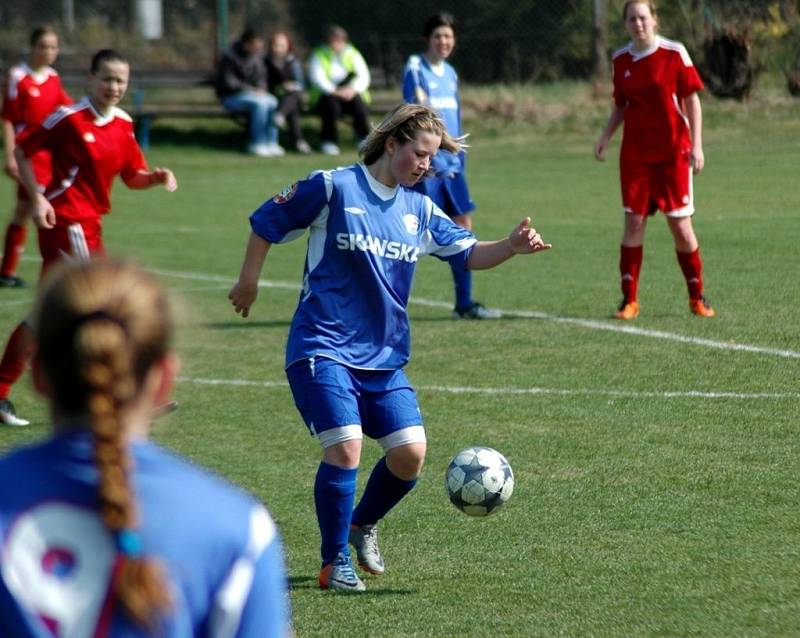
<point x="32" y="91"/>
<point x="655" y="95"/>
<point x="95" y="142"/>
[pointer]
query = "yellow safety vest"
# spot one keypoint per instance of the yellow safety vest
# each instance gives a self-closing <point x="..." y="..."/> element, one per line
<point x="325" y="56"/>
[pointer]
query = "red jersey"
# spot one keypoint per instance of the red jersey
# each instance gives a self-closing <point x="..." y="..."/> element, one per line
<point x="28" y="98"/>
<point x="89" y="150"/>
<point x="651" y="86"/>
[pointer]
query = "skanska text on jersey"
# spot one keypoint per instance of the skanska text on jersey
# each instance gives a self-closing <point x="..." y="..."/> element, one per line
<point x="380" y="247"/>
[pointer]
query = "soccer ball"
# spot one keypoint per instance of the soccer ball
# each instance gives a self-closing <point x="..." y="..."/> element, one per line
<point x="479" y="480"/>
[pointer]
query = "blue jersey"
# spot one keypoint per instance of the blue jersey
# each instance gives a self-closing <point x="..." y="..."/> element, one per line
<point x="441" y="94"/>
<point x="219" y="547"/>
<point x="365" y="240"/>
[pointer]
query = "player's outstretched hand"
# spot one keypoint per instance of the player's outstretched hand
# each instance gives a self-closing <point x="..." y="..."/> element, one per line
<point x="525" y="240"/>
<point x="242" y="296"/>
<point x="43" y="214"/>
<point x="166" y="177"/>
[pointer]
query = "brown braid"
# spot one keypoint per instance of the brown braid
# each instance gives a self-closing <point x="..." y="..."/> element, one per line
<point x="100" y="328"/>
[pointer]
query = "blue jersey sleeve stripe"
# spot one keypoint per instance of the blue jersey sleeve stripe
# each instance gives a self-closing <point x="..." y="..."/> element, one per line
<point x="458" y="247"/>
<point x="235" y="591"/>
<point x="328" y="177"/>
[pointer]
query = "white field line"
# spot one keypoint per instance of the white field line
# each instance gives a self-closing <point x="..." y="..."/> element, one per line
<point x="691" y="394"/>
<point x="529" y="314"/>
<point x="525" y="314"/>
<point x="29" y="300"/>
<point x="17" y="302"/>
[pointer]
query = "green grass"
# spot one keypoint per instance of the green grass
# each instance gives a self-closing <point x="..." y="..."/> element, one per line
<point x="635" y="513"/>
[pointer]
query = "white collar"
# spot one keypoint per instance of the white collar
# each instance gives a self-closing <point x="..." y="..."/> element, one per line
<point x="638" y="55"/>
<point x="99" y="120"/>
<point x="381" y="190"/>
<point x="437" y="67"/>
<point x="41" y="76"/>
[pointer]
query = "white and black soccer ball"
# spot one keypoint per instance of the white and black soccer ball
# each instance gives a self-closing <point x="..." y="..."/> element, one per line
<point x="479" y="480"/>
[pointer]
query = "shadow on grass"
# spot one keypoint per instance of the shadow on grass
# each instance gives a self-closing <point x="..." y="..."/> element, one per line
<point x="445" y="317"/>
<point x="220" y="137"/>
<point x="310" y="582"/>
<point x="220" y="134"/>
<point x="246" y="324"/>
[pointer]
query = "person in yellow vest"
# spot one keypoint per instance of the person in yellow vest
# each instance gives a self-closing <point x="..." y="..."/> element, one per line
<point x="339" y="79"/>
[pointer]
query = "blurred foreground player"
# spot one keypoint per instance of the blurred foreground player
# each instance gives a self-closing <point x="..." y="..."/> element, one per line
<point x="103" y="532"/>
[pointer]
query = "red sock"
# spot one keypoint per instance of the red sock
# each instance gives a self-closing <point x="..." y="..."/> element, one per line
<point x="630" y="264"/>
<point x="692" y="267"/>
<point x="18" y="353"/>
<point x="15" y="244"/>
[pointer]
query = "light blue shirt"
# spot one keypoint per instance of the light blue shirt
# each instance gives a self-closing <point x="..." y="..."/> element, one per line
<point x="442" y="95"/>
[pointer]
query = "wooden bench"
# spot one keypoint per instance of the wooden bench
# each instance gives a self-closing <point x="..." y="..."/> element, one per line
<point x="180" y="94"/>
<point x="153" y="97"/>
<point x="185" y="94"/>
<point x="156" y="94"/>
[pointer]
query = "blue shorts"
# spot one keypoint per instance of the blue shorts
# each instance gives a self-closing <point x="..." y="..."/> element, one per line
<point x="338" y="403"/>
<point x="451" y="194"/>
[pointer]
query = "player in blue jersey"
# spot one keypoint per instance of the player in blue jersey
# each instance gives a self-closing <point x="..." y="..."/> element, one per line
<point x="428" y="79"/>
<point x="349" y="338"/>
<point x="102" y="532"/>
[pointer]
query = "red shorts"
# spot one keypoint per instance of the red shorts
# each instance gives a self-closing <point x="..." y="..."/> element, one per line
<point x="41" y="163"/>
<point x="77" y="241"/>
<point x="664" y="186"/>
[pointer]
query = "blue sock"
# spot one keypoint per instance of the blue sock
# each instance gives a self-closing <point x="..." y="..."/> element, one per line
<point x="334" y="495"/>
<point x="384" y="491"/>
<point x="462" y="278"/>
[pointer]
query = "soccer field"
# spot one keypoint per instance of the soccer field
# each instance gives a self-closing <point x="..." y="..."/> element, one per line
<point x="656" y="461"/>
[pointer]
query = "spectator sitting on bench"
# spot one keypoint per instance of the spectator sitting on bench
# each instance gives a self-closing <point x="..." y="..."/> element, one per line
<point x="286" y="82"/>
<point x="339" y="80"/>
<point x="242" y="88"/>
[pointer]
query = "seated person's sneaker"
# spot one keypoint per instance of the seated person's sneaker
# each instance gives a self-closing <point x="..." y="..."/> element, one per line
<point x="329" y="148"/>
<point x="260" y="150"/>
